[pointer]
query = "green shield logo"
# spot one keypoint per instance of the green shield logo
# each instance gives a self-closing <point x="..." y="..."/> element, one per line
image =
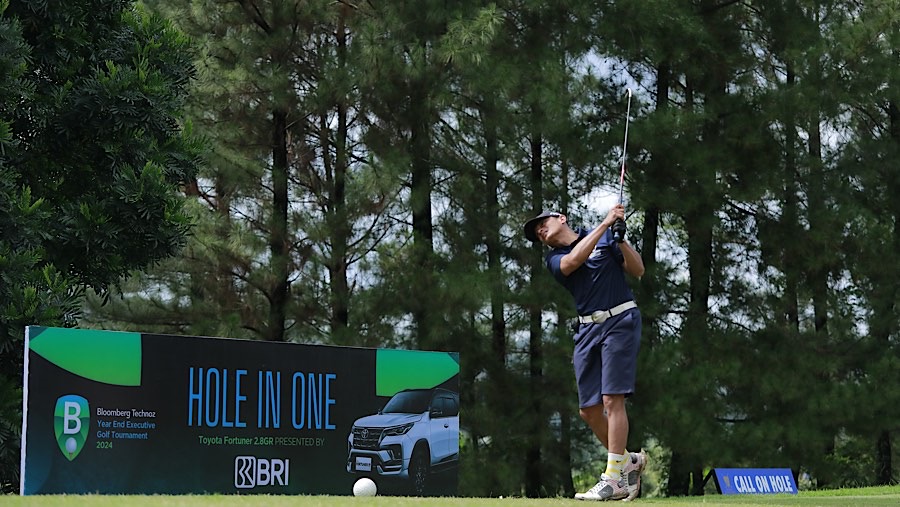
<point x="71" y="423"/>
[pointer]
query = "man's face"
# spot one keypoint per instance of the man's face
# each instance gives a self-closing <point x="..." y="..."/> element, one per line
<point x="548" y="229"/>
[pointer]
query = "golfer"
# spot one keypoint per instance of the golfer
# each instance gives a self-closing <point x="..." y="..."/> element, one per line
<point x="592" y="266"/>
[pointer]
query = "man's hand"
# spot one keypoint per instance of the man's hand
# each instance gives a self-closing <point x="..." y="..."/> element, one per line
<point x="617" y="212"/>
<point x="615" y="220"/>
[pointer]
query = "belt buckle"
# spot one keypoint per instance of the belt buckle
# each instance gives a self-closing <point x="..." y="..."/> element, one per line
<point x="600" y="316"/>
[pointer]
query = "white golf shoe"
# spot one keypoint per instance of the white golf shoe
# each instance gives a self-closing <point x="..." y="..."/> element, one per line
<point x="606" y="489"/>
<point x="632" y="473"/>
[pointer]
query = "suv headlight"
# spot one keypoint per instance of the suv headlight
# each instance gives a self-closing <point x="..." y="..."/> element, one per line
<point x="398" y="430"/>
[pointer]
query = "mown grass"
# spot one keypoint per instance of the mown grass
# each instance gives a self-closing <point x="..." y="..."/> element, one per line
<point x="877" y="496"/>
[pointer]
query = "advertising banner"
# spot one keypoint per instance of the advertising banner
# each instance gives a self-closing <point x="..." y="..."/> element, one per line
<point x="755" y="481"/>
<point x="129" y="413"/>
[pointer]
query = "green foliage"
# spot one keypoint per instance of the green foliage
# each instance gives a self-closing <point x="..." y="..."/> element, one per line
<point x="92" y="154"/>
<point x="105" y="146"/>
<point x="30" y="291"/>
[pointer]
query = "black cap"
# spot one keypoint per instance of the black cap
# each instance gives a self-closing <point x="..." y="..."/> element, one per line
<point x="529" y="225"/>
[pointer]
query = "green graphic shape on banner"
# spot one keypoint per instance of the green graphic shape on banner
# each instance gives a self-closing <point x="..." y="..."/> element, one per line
<point x="397" y="370"/>
<point x="71" y="422"/>
<point x="110" y="357"/>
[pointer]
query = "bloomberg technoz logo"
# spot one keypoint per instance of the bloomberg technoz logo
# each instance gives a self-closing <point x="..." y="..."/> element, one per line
<point x="252" y="472"/>
<point x="71" y="423"/>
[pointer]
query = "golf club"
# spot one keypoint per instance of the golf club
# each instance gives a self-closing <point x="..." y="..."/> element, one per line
<point x="618" y="228"/>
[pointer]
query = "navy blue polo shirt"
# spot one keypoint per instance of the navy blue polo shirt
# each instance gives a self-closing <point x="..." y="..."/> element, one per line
<point x="599" y="283"/>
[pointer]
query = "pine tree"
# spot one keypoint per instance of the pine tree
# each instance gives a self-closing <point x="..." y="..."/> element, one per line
<point x="291" y="205"/>
<point x="873" y="94"/>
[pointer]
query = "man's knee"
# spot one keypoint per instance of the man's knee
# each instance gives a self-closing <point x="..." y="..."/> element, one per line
<point x="592" y="413"/>
<point x="613" y="402"/>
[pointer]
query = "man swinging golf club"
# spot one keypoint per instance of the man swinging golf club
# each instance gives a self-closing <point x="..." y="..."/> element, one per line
<point x="592" y="264"/>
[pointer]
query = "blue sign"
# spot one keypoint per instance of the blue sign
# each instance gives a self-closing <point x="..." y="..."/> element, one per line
<point x="755" y="481"/>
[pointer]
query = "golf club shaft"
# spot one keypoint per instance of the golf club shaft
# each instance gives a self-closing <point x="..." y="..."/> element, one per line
<point x="624" y="147"/>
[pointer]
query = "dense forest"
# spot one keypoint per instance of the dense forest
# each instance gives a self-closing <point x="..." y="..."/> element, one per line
<point x="356" y="172"/>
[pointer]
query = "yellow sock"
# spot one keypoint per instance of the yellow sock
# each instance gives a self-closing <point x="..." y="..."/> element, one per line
<point x="615" y="464"/>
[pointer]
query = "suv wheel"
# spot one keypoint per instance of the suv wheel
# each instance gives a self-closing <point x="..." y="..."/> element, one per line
<point x="418" y="471"/>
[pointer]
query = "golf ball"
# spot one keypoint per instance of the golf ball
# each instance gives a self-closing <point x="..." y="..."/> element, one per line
<point x="365" y="487"/>
<point x="71" y="445"/>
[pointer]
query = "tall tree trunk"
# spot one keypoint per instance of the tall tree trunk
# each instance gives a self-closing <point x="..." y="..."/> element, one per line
<point x="497" y="393"/>
<point x="423" y="286"/>
<point x="278" y="236"/>
<point x="649" y="283"/>
<point x="817" y="278"/>
<point x="337" y="214"/>
<point x="565" y="443"/>
<point x="493" y="240"/>
<point x="884" y="471"/>
<point x="790" y="214"/>
<point x="699" y="217"/>
<point x="650" y="235"/>
<point x="679" y="477"/>
<point x="818" y="229"/>
<point x="788" y="321"/>
<point x="699" y="225"/>
<point x="565" y="417"/>
<point x="533" y="469"/>
<point x="885" y="314"/>
<point x="699" y="220"/>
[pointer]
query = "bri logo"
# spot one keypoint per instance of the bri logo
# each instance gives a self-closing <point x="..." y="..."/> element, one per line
<point x="71" y="423"/>
<point x="251" y="472"/>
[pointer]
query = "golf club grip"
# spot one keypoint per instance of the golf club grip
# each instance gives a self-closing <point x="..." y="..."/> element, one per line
<point x="618" y="230"/>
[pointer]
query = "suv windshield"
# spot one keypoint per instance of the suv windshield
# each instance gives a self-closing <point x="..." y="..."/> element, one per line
<point x="408" y="402"/>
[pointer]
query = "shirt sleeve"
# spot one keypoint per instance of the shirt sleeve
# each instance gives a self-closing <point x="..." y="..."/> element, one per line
<point x="607" y="241"/>
<point x="553" y="260"/>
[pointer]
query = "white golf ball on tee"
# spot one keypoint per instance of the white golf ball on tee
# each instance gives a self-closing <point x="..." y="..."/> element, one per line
<point x="365" y="487"/>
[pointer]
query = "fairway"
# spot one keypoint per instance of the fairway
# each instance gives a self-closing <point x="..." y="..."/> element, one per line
<point x="880" y="496"/>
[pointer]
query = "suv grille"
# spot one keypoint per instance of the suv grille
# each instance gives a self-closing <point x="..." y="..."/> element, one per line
<point x="366" y="438"/>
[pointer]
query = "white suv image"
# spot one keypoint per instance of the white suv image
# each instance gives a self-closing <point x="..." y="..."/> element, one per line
<point x="414" y="435"/>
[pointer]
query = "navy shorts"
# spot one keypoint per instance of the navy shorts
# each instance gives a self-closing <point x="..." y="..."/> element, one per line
<point x="605" y="357"/>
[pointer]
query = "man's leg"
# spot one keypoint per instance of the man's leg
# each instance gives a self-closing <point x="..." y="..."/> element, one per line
<point x="596" y="419"/>
<point x="606" y="422"/>
<point x="633" y="465"/>
<point x="617" y="422"/>
<point x="609" y="420"/>
<point x="607" y="429"/>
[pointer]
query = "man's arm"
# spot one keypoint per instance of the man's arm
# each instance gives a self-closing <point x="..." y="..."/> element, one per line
<point x="574" y="259"/>
<point x="632" y="264"/>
